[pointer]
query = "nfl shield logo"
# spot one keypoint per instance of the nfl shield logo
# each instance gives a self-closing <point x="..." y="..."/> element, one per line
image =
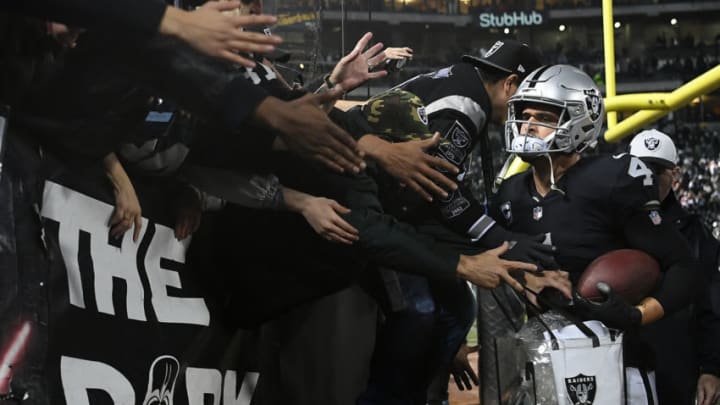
<point x="655" y="217"/>
<point x="537" y="213"/>
<point x="506" y="211"/>
<point x="581" y="389"/>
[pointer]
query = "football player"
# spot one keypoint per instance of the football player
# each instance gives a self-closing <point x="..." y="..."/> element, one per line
<point x="589" y="206"/>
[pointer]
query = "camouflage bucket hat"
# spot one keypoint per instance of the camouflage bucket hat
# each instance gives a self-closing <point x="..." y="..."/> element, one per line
<point x="397" y="115"/>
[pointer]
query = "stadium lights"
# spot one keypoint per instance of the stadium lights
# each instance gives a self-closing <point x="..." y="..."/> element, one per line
<point x="673" y="21"/>
<point x="562" y="27"/>
<point x="617" y="24"/>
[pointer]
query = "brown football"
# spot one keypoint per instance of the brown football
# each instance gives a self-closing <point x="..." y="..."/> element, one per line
<point x="631" y="273"/>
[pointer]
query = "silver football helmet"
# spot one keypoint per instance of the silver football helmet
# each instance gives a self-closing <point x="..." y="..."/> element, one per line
<point x="564" y="88"/>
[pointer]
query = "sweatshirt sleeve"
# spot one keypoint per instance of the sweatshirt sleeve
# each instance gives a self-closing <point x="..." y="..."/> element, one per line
<point x="131" y="16"/>
<point x="389" y="242"/>
<point x="211" y="87"/>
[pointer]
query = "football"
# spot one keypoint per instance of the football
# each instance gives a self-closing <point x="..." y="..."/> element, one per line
<point x="631" y="273"/>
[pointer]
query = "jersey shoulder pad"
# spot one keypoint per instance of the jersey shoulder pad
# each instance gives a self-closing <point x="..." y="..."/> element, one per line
<point x="634" y="183"/>
<point x="514" y="184"/>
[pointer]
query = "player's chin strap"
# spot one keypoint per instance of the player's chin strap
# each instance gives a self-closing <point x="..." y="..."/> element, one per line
<point x="552" y="176"/>
<point x="503" y="172"/>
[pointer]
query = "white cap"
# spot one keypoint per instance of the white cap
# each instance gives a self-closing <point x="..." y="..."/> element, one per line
<point x="654" y="146"/>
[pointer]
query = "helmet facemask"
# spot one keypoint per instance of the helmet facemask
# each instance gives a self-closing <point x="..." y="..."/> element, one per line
<point x="529" y="145"/>
<point x="569" y="93"/>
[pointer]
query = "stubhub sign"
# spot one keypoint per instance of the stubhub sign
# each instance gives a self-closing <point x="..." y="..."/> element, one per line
<point x="514" y="19"/>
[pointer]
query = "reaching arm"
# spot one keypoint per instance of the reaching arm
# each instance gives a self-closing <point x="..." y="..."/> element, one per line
<point x="323" y="215"/>
<point x="210" y="31"/>
<point x="399" y="246"/>
<point x="207" y="29"/>
<point x="411" y="165"/>
<point x="228" y="97"/>
<point x="670" y="248"/>
<point x="140" y="16"/>
<point x="127" y="210"/>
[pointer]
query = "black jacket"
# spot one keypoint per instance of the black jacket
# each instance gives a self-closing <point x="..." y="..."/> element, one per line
<point x="129" y="16"/>
<point x="89" y="103"/>
<point x="706" y="316"/>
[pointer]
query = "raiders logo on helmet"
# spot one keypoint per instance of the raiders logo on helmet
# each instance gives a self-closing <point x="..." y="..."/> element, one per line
<point x="652" y="143"/>
<point x="593" y="103"/>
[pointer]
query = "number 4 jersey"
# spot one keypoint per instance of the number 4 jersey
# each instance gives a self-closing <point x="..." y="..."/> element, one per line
<point x="601" y="195"/>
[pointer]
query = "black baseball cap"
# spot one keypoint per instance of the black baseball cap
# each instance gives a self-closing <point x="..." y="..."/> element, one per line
<point x="510" y="56"/>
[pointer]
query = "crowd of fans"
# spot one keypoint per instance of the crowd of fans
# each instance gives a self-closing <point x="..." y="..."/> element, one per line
<point x="184" y="106"/>
<point x="472" y="7"/>
<point x="699" y="190"/>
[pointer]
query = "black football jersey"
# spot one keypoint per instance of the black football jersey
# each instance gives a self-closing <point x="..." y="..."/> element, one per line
<point x="458" y="107"/>
<point x="602" y="194"/>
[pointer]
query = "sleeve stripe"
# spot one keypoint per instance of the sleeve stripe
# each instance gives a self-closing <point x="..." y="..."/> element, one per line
<point x="480" y="227"/>
<point x="465" y="105"/>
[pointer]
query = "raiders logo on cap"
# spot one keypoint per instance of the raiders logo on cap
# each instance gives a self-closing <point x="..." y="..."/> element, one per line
<point x="496" y="46"/>
<point x="652" y="143"/>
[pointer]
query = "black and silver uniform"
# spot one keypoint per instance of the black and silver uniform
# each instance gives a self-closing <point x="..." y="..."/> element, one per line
<point x="609" y="202"/>
<point x="458" y="107"/>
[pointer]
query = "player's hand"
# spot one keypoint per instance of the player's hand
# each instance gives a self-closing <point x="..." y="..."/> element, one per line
<point x="411" y="165"/>
<point x="308" y="132"/>
<point x="488" y="270"/>
<point x="461" y="370"/>
<point x="214" y="33"/>
<point x="613" y="311"/>
<point x="355" y="68"/>
<point x="526" y="248"/>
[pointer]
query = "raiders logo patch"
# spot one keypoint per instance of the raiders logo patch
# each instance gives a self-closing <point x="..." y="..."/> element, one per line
<point x="652" y="143"/>
<point x="422" y="115"/>
<point x="458" y="135"/>
<point x="581" y="389"/>
<point x="452" y="153"/>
